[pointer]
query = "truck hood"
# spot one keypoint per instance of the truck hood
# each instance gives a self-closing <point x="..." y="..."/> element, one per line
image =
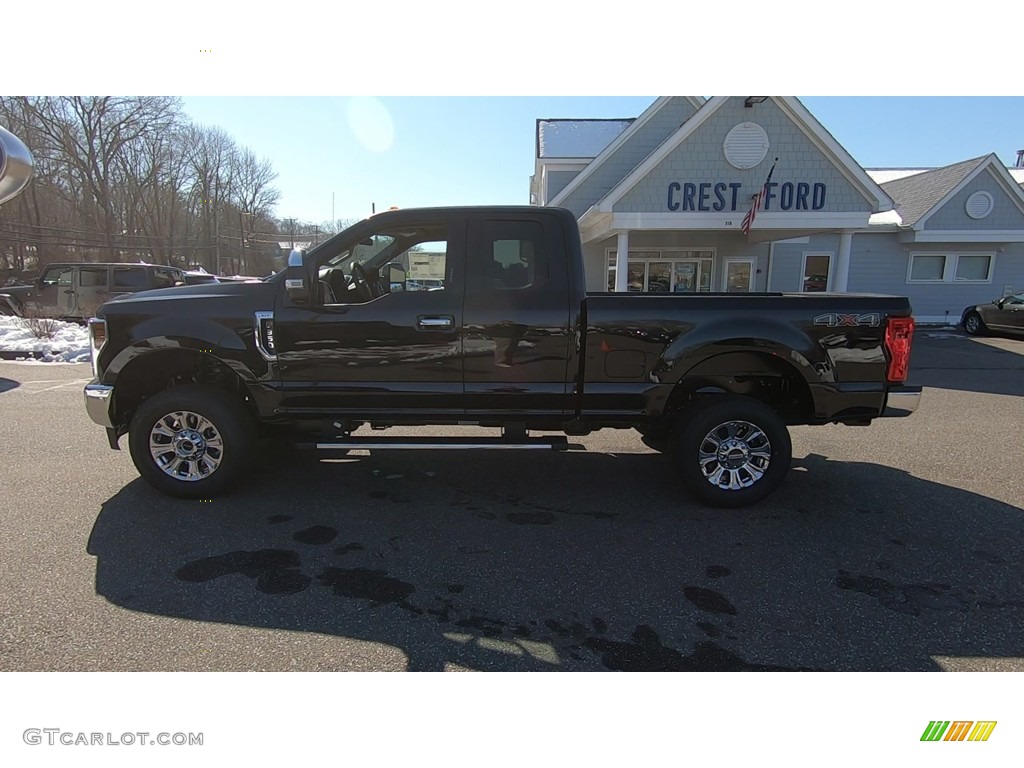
<point x="187" y="294"/>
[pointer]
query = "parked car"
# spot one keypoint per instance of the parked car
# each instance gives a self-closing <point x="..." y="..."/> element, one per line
<point x="1005" y="315"/>
<point x="74" y="291"/>
<point x="194" y="374"/>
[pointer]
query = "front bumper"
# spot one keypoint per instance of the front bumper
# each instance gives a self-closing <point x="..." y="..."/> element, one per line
<point x="902" y="401"/>
<point x="98" y="400"/>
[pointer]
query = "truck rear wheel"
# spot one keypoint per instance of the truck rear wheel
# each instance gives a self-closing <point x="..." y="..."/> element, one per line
<point x="191" y="441"/>
<point x="731" y="451"/>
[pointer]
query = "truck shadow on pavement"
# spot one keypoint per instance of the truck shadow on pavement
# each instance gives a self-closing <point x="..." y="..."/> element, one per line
<point x="951" y="360"/>
<point x="581" y="562"/>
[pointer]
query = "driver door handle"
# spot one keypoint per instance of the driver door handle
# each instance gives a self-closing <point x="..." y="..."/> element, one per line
<point x="435" y="322"/>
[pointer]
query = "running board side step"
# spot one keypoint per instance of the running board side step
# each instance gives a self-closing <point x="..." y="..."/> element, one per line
<point x="446" y="444"/>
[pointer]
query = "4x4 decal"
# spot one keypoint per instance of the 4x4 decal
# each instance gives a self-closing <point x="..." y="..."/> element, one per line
<point x="834" y="319"/>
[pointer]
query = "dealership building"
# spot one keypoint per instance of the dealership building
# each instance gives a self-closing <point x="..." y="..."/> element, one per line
<point x="661" y="201"/>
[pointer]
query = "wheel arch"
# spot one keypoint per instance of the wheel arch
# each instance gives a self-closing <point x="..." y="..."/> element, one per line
<point x="760" y="373"/>
<point x="141" y="373"/>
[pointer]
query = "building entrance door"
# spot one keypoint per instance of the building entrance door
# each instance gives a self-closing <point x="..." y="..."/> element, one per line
<point x="739" y="276"/>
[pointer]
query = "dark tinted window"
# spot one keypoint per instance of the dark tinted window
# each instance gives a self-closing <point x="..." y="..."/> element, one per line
<point x="518" y="259"/>
<point x="197" y="279"/>
<point x="129" y="277"/>
<point x="92" y="277"/>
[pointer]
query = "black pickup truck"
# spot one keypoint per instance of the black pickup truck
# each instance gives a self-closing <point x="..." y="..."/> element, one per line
<point x="480" y="316"/>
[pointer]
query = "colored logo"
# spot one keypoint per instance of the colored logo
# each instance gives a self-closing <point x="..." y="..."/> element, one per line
<point x="958" y="730"/>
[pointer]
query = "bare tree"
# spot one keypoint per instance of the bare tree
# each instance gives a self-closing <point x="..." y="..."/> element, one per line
<point x="131" y="176"/>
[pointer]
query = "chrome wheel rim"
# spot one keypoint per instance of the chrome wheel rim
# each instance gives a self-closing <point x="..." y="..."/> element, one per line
<point x="972" y="323"/>
<point x="734" y="455"/>
<point x="186" y="446"/>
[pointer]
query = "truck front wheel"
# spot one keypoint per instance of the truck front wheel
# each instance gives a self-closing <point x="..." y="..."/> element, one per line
<point x="731" y="451"/>
<point x="191" y="441"/>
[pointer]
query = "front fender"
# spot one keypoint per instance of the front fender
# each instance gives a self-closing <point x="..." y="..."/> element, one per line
<point x="195" y="334"/>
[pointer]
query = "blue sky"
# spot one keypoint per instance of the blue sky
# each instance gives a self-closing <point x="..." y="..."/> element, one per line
<point x="413" y="151"/>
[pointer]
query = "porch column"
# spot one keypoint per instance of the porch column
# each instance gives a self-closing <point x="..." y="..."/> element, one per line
<point x="621" y="262"/>
<point x="842" y="271"/>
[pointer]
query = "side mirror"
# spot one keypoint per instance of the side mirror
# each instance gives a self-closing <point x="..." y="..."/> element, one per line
<point x="15" y="165"/>
<point x="396" y="276"/>
<point x="296" y="281"/>
<point x="1000" y="302"/>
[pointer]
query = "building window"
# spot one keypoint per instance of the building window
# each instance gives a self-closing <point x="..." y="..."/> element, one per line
<point x="817" y="268"/>
<point x="665" y="271"/>
<point x="950" y="268"/>
<point x="976" y="267"/>
<point x="927" y="267"/>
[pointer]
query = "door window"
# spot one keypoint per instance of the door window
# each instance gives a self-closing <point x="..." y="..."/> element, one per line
<point x="92" y="277"/>
<point x="57" y="276"/>
<point x="129" y="278"/>
<point x="738" y="276"/>
<point x="659" y="276"/>
<point x="401" y="259"/>
<point x="165" y="278"/>
<point x="816" y="270"/>
<point x="518" y="260"/>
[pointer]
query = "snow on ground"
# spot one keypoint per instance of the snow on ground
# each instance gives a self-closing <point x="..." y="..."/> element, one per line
<point x="70" y="342"/>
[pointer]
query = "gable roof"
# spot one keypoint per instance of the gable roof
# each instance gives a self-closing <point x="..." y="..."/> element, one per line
<point x="922" y="195"/>
<point x="562" y="138"/>
<point x="803" y="120"/>
<point x="916" y="195"/>
<point x="622" y="138"/>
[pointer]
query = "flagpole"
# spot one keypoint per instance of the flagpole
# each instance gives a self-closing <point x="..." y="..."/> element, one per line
<point x="756" y="199"/>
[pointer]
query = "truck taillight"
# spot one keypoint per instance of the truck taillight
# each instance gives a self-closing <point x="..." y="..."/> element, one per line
<point x="97" y="338"/>
<point x="898" y="334"/>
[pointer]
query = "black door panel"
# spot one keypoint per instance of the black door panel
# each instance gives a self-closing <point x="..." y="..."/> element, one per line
<point x="517" y="336"/>
<point x="397" y="356"/>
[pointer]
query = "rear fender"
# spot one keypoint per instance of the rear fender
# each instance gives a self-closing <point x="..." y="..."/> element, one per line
<point x="720" y="338"/>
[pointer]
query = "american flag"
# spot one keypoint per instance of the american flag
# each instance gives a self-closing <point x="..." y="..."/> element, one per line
<point x="755" y="205"/>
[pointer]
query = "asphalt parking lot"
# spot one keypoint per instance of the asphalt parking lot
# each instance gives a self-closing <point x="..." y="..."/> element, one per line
<point x="894" y="547"/>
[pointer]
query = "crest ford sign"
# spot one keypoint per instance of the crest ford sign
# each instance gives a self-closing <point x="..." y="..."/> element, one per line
<point x="724" y="196"/>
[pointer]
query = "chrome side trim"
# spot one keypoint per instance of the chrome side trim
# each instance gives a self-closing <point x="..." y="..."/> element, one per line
<point x="99" y="391"/>
<point x="902" y="402"/>
<point x="97" y="404"/>
<point x="94" y="351"/>
<point x="258" y="334"/>
<point x="353" y="446"/>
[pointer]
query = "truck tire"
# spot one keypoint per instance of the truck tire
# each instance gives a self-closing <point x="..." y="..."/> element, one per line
<point x="731" y="452"/>
<point x="191" y="441"/>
